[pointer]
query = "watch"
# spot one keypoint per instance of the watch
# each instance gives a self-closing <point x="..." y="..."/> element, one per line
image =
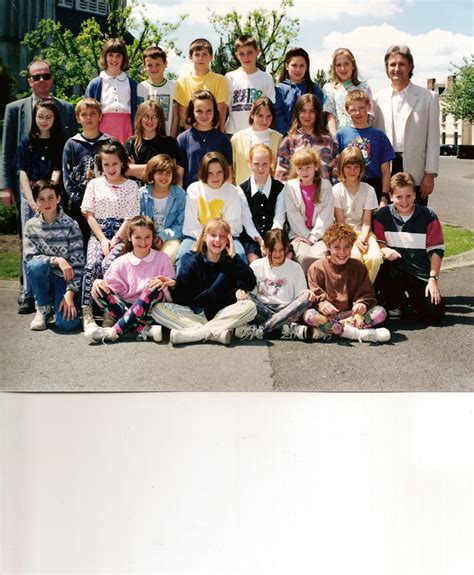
<point x="435" y="277"/>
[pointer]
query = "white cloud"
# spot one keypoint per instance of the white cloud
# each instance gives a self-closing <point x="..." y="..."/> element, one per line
<point x="307" y="10"/>
<point x="433" y="52"/>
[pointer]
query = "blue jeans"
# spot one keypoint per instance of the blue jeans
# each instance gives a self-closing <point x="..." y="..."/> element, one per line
<point x="25" y="214"/>
<point x="49" y="289"/>
<point x="187" y="244"/>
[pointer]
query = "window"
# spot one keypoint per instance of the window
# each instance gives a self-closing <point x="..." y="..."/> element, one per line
<point x="66" y="3"/>
<point x="92" y="6"/>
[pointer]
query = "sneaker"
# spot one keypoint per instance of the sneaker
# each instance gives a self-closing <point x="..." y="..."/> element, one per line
<point x="317" y="334"/>
<point x="26" y="306"/>
<point x="41" y="319"/>
<point x="223" y="337"/>
<point x="87" y="317"/>
<point x="395" y="313"/>
<point x="379" y="335"/>
<point x="152" y="332"/>
<point x="108" y="320"/>
<point x="249" y="332"/>
<point x="294" y="331"/>
<point x="189" y="335"/>
<point x="94" y="333"/>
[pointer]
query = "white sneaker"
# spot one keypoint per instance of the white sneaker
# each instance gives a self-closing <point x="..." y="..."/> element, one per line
<point x="87" y="317"/>
<point x="379" y="335"/>
<point x="153" y="332"/>
<point x="223" y="337"/>
<point x="96" y="334"/>
<point x="190" y="335"/>
<point x="41" y="319"/>
<point x="294" y="331"/>
<point x="108" y="320"/>
<point x="249" y="332"/>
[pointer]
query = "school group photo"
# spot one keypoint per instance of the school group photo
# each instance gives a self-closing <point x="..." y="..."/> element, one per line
<point x="227" y="208"/>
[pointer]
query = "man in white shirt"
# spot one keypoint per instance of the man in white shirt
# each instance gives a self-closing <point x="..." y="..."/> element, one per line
<point x="409" y="115"/>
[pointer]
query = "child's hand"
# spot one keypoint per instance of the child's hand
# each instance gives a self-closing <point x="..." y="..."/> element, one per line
<point x="309" y="295"/>
<point x="359" y="309"/>
<point x="158" y="243"/>
<point x="67" y="306"/>
<point x="105" y="245"/>
<point x="66" y="268"/>
<point x="161" y="282"/>
<point x="389" y="254"/>
<point x="131" y="160"/>
<point x="362" y="245"/>
<point x="33" y="205"/>
<point x="99" y="287"/>
<point x="327" y="309"/>
<point x="302" y="239"/>
<point x="432" y="290"/>
<point x="240" y="294"/>
<point x="230" y="247"/>
<point x="114" y="241"/>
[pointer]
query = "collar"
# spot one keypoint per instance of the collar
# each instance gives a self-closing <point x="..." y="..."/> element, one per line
<point x="135" y="261"/>
<point x="121" y="77"/>
<point x="266" y="186"/>
<point x="403" y="92"/>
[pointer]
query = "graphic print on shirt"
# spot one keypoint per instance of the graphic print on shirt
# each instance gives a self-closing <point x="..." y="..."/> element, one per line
<point x="243" y="99"/>
<point x="270" y="287"/>
<point x="364" y="146"/>
<point x="208" y="210"/>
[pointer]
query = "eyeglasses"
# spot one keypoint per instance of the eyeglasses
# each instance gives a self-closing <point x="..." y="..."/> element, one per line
<point x="38" y="77"/>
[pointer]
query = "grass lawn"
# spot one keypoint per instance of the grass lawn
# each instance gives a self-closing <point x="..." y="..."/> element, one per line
<point x="457" y="240"/>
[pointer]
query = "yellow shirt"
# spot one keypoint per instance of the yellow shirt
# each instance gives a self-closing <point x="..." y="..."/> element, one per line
<point x="187" y="85"/>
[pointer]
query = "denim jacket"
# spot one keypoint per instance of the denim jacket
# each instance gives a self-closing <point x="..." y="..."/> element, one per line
<point x="174" y="210"/>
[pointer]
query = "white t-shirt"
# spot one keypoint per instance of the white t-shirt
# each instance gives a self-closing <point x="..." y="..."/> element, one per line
<point x="163" y="95"/>
<point x="353" y="205"/>
<point x="159" y="213"/>
<point x="244" y="89"/>
<point x="278" y="285"/>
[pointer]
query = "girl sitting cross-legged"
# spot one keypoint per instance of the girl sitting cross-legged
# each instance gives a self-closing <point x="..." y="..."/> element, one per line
<point x="134" y="282"/>
<point x="205" y="304"/>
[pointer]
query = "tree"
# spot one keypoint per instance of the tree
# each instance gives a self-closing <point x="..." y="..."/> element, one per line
<point x="74" y="59"/>
<point x="273" y="30"/>
<point x="322" y="77"/>
<point x="459" y="100"/>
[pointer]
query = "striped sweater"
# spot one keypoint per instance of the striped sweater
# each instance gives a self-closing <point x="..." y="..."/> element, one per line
<point x="415" y="239"/>
<point x="62" y="238"/>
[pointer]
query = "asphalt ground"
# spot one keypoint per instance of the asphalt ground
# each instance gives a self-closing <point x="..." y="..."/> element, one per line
<point x="417" y="358"/>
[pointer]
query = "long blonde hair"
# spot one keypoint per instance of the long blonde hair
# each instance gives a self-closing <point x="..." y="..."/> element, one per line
<point x="200" y="245"/>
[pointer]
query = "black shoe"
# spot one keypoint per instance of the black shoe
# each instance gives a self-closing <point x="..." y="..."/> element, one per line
<point x="26" y="306"/>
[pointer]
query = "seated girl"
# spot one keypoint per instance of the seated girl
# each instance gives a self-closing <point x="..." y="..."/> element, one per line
<point x="281" y="294"/>
<point x="354" y="204"/>
<point x="345" y="303"/>
<point x="133" y="283"/>
<point x="205" y="305"/>
<point x="264" y="205"/>
<point x="211" y="196"/>
<point x="309" y="204"/>
<point x="164" y="201"/>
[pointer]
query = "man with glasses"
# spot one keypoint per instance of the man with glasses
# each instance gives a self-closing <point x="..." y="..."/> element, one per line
<point x="17" y="123"/>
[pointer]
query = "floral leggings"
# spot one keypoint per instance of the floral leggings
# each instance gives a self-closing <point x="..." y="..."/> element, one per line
<point x="131" y="316"/>
<point x="335" y="325"/>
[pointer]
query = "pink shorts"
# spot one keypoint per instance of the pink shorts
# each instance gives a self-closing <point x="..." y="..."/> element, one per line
<point x="119" y="126"/>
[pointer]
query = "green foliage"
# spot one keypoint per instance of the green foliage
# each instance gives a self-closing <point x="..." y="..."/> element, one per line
<point x="9" y="266"/>
<point x="322" y="77"/>
<point x="459" y="100"/>
<point x="7" y="219"/>
<point x="273" y="30"/>
<point x="74" y="59"/>
<point x="457" y="240"/>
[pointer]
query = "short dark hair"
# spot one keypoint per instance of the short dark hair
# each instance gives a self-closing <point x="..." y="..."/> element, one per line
<point x="154" y="52"/>
<point x="403" y="51"/>
<point x="200" y="44"/>
<point x="160" y="163"/>
<point x="210" y="158"/>
<point x="245" y="40"/>
<point x="273" y="237"/>
<point x="45" y="185"/>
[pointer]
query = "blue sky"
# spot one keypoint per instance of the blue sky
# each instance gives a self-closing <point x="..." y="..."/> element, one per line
<point x="438" y="33"/>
